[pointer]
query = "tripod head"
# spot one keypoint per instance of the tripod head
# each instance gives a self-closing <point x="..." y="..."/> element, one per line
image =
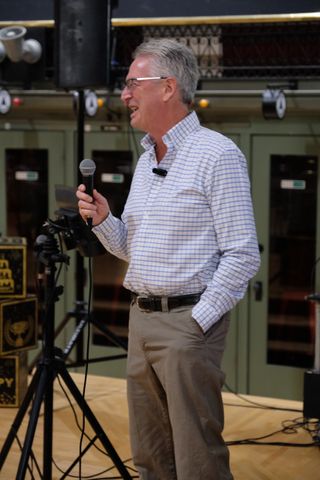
<point x="47" y="249"/>
<point x="48" y="254"/>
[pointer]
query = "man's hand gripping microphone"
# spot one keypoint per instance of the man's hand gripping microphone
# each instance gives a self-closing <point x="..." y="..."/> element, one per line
<point x="87" y="168"/>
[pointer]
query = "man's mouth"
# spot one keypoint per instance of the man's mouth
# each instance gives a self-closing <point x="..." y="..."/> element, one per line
<point x="133" y="110"/>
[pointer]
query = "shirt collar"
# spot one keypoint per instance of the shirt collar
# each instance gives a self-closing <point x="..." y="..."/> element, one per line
<point x="177" y="134"/>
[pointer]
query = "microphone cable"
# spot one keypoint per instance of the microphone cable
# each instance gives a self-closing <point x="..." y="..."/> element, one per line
<point x="87" y="354"/>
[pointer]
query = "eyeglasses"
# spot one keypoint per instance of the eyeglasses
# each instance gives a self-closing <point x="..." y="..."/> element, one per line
<point x="131" y="83"/>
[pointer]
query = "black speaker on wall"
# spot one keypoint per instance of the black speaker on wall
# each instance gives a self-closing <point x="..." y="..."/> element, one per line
<point x="82" y="43"/>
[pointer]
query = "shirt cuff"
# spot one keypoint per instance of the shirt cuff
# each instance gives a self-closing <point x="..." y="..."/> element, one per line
<point x="205" y="315"/>
<point x="106" y="226"/>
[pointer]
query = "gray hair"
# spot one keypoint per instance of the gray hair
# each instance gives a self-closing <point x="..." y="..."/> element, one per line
<point x="171" y="58"/>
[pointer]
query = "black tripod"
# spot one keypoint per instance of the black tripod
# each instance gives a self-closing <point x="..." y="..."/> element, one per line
<point x="41" y="387"/>
<point x="80" y="314"/>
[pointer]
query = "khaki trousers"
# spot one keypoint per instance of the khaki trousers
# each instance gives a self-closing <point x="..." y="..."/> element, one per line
<point x="174" y="396"/>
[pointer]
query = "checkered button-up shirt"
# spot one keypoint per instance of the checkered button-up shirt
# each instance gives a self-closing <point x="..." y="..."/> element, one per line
<point x="192" y="230"/>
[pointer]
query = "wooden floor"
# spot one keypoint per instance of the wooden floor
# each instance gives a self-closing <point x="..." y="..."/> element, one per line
<point x="107" y="399"/>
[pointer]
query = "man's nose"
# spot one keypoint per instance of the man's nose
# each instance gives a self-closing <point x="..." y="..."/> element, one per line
<point x="125" y="95"/>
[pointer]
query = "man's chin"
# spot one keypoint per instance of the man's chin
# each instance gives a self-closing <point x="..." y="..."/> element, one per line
<point x="137" y="125"/>
<point x="133" y="122"/>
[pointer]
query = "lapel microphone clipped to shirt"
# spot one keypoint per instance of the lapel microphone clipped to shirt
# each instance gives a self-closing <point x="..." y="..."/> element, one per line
<point x="160" y="171"/>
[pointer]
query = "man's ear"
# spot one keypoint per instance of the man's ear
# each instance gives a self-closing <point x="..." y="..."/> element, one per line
<point x="170" y="88"/>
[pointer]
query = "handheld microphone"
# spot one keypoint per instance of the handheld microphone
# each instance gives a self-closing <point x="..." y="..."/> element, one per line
<point x="160" y="171"/>
<point x="87" y="168"/>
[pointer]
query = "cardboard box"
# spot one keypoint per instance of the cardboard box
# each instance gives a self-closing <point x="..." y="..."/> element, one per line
<point x="18" y="325"/>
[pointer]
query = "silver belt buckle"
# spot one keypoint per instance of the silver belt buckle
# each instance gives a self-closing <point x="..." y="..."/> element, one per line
<point x="142" y="309"/>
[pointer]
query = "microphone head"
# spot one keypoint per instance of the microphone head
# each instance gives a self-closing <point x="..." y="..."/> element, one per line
<point x="87" y="167"/>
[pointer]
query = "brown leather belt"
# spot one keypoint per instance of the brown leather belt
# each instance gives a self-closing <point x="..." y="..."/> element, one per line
<point x="164" y="304"/>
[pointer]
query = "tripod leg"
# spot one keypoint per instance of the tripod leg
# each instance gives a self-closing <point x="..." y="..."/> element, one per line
<point x="19" y="417"/>
<point x="34" y="415"/>
<point x="48" y="426"/>
<point x="82" y="323"/>
<point x="74" y="463"/>
<point x="94" y="423"/>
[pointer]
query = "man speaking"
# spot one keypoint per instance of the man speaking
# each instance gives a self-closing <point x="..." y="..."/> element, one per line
<point x="188" y="234"/>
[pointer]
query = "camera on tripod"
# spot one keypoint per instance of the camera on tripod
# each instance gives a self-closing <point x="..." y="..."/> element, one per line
<point x="69" y="224"/>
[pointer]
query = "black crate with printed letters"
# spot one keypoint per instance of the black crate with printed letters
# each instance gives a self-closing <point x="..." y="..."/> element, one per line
<point x="18" y="324"/>
<point x="13" y="379"/>
<point x="13" y="266"/>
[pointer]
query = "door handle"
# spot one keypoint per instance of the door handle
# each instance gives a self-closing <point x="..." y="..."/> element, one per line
<point x="257" y="287"/>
